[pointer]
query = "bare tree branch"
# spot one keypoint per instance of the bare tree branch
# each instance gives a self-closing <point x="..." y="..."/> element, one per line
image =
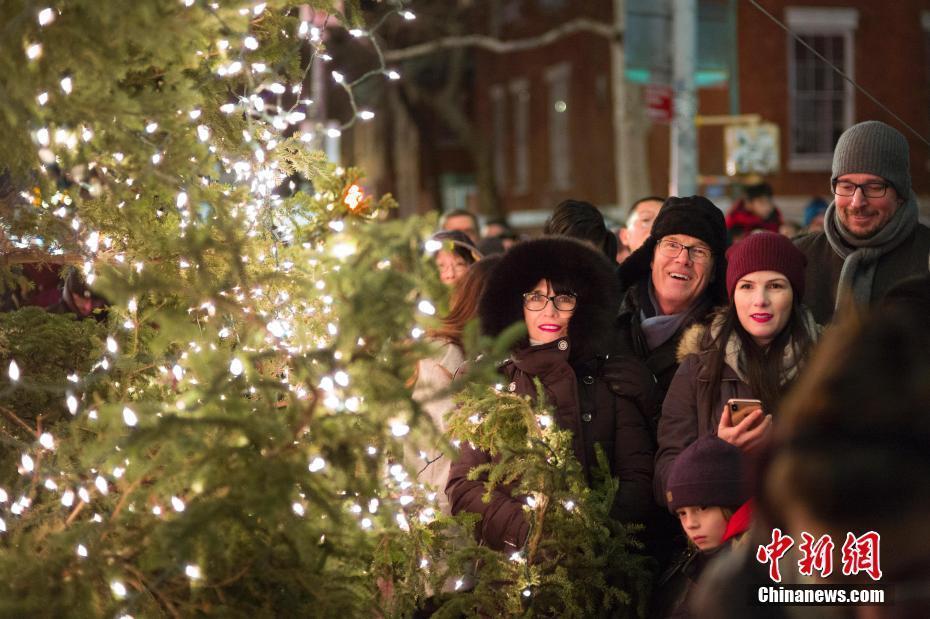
<point x="492" y="44"/>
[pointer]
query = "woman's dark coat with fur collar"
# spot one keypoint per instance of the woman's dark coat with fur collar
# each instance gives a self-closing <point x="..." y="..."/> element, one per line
<point x="574" y="373"/>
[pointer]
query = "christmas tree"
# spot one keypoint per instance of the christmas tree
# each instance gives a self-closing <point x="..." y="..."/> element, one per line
<point x="223" y="438"/>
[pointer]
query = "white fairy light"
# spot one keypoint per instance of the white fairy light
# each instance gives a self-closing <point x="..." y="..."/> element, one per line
<point x="333" y="133"/>
<point x="177" y="504"/>
<point x="42" y="98"/>
<point x="33" y="52"/>
<point x="341" y="378"/>
<point x="298" y="509"/>
<point x="152" y="127"/>
<point x="317" y="464"/>
<point x="236" y="367"/>
<point x="86" y="134"/>
<point x="13" y="371"/>
<point x="119" y="589"/>
<point x="81" y="550"/>
<point x="129" y="417"/>
<point x="203" y="133"/>
<point x="156" y="158"/>
<point x="4" y="497"/>
<point x="192" y="572"/>
<point x="101" y="485"/>
<point x="46" y="16"/>
<point x="27" y="463"/>
<point x="133" y="305"/>
<point x="67" y="85"/>
<point x="393" y="75"/>
<point x="67" y="499"/>
<point x="84" y="495"/>
<point x="399" y="428"/>
<point x="426" y="307"/>
<point x="250" y="42"/>
<point x="47" y="441"/>
<point x="112" y="346"/>
<point x="42" y="137"/>
<point x="357" y="32"/>
<point x="366" y="114"/>
<point x="408" y="15"/>
<point x="181" y="200"/>
<point x="50" y="485"/>
<point x="177" y="371"/>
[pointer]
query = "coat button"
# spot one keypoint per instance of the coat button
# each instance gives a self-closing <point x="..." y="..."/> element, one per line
<point x="586" y="417"/>
<point x="563" y="345"/>
<point x="588" y="380"/>
<point x="512" y="386"/>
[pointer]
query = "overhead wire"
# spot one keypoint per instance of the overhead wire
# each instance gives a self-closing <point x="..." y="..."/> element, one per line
<point x="840" y="72"/>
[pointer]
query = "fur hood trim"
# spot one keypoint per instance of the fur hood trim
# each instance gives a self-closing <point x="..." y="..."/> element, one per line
<point x="577" y="265"/>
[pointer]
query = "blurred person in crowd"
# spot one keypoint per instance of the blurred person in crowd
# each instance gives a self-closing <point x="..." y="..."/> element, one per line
<point x="708" y="494"/>
<point x="814" y="213"/>
<point x="583" y="221"/>
<point x="872" y="238"/>
<point x="455" y="256"/>
<point x="462" y="220"/>
<point x="752" y="350"/>
<point x="565" y="293"/>
<point x="789" y="228"/>
<point x="638" y="224"/>
<point x="434" y="374"/>
<point x="498" y="227"/>
<point x="755" y="211"/>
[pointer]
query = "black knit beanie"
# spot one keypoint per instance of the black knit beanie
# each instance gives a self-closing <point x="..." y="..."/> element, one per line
<point x="708" y="472"/>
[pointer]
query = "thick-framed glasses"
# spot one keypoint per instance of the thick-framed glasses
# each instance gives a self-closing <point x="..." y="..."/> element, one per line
<point x="535" y="301"/>
<point x="869" y="190"/>
<point x="671" y="249"/>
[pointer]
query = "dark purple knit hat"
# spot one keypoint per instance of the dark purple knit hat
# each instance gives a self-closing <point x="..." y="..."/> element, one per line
<point x="766" y="251"/>
<point x="708" y="472"/>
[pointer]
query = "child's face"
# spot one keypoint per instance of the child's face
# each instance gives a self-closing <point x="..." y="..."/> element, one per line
<point x="704" y="526"/>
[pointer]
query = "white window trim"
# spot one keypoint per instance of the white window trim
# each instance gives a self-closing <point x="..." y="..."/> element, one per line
<point x="521" y="156"/>
<point x="561" y="72"/>
<point x="827" y="21"/>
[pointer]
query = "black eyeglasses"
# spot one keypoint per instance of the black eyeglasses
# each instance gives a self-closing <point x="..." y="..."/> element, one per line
<point x="869" y="190"/>
<point x="671" y="249"/>
<point x="535" y="301"/>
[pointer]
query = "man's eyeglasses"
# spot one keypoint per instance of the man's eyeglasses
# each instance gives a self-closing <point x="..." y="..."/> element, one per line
<point x="671" y="249"/>
<point x="869" y="190"/>
<point x="535" y="301"/>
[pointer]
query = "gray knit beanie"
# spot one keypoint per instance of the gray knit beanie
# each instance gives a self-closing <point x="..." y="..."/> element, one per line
<point x="872" y="147"/>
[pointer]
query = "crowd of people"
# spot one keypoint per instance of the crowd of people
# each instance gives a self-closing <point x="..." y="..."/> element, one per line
<point x="737" y="379"/>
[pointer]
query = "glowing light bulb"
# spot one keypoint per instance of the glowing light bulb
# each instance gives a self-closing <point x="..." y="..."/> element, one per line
<point x="67" y="85"/>
<point x="317" y="464"/>
<point x="13" y="371"/>
<point x="129" y="417"/>
<point x="193" y="572"/>
<point x="47" y="441"/>
<point x="46" y="16"/>
<point x="235" y="367"/>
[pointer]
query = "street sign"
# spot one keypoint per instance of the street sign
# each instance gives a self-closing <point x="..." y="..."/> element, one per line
<point x="752" y="149"/>
<point x="658" y="100"/>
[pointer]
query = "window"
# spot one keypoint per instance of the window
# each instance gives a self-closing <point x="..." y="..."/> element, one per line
<point x="520" y="96"/>
<point x="498" y="136"/>
<point x="821" y="102"/>
<point x="558" y="79"/>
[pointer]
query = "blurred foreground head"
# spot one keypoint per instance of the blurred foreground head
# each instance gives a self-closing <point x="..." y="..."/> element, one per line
<point x="852" y="449"/>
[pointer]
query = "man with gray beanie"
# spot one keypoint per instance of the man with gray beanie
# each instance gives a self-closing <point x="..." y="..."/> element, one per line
<point x="871" y="238"/>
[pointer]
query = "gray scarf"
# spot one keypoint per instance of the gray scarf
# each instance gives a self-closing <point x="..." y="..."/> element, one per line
<point x="660" y="328"/>
<point x="860" y="256"/>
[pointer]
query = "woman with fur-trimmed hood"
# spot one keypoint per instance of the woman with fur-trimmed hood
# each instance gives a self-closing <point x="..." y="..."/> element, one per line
<point x="565" y="293"/>
<point x="753" y="349"/>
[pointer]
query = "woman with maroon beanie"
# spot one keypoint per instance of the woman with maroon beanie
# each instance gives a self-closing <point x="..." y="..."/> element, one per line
<point x="752" y="349"/>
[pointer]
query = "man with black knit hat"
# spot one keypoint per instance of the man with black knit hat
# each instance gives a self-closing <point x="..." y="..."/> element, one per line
<point x="672" y="281"/>
<point x="871" y="238"/>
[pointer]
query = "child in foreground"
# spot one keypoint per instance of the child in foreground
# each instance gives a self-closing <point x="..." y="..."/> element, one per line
<point x="706" y="491"/>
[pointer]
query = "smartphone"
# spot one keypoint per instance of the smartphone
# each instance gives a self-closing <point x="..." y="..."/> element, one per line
<point x="739" y="408"/>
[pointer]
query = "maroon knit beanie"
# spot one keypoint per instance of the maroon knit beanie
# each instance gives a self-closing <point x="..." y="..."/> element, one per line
<point x="708" y="472"/>
<point x="766" y="251"/>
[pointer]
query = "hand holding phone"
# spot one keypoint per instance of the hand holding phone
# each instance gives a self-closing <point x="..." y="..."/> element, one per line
<point x="740" y="408"/>
<point x="734" y="415"/>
